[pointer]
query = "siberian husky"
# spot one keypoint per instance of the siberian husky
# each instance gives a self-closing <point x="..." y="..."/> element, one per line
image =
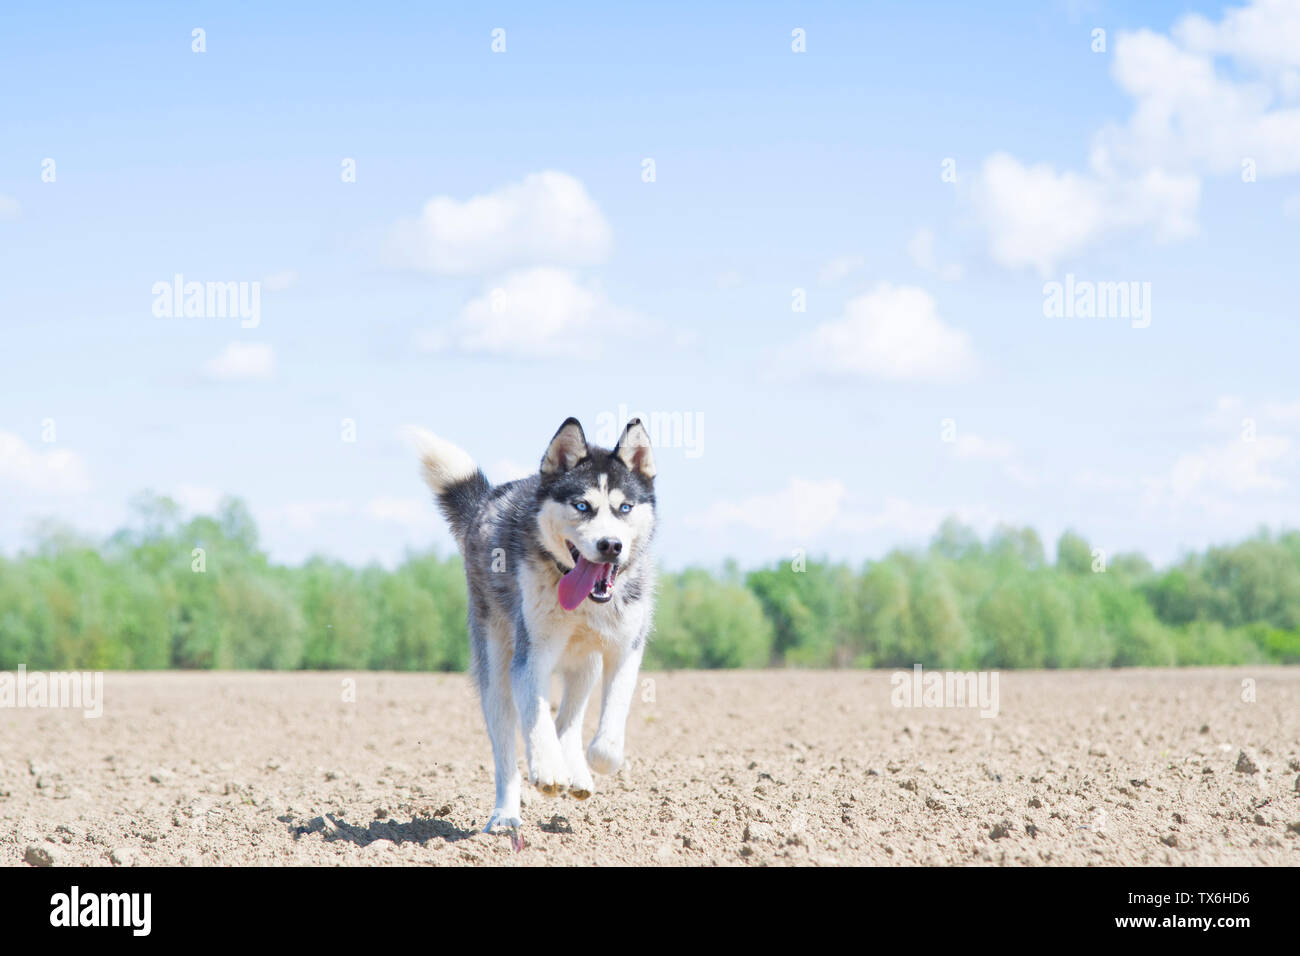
<point x="560" y="578"/>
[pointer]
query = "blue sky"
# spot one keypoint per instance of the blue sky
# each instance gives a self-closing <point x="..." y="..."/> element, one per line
<point x="921" y="379"/>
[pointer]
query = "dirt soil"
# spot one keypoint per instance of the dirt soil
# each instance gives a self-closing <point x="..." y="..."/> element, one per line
<point x="732" y="768"/>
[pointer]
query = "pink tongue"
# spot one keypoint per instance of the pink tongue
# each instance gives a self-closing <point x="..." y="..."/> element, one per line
<point x="577" y="584"/>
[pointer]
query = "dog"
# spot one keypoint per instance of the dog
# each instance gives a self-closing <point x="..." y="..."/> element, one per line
<point x="560" y="577"/>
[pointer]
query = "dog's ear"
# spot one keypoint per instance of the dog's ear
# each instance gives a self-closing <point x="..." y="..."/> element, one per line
<point x="633" y="449"/>
<point x="567" y="448"/>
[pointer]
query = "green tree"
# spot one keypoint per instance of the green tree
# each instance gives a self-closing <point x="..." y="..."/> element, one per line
<point x="703" y="623"/>
<point x="1073" y="555"/>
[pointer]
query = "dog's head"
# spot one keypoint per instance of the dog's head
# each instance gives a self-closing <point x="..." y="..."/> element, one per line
<point x="596" y="508"/>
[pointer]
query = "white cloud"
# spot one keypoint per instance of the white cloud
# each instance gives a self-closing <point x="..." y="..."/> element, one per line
<point x="1190" y="115"/>
<point x="841" y="267"/>
<point x="1037" y="217"/>
<point x="1235" y="466"/>
<point x="9" y="208"/>
<point x="241" y="361"/>
<point x="55" y="472"/>
<point x="729" y="280"/>
<point x="891" y="332"/>
<point x="532" y="312"/>
<point x="1253" y="467"/>
<point x="1260" y="35"/>
<point x="545" y="219"/>
<point x="1189" y="119"/>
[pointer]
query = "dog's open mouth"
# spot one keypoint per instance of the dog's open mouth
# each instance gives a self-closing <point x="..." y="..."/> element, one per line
<point x="588" y="579"/>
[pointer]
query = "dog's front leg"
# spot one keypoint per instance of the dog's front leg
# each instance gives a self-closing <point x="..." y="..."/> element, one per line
<point x="492" y="664"/>
<point x="579" y="679"/>
<point x="530" y="678"/>
<point x="605" y="753"/>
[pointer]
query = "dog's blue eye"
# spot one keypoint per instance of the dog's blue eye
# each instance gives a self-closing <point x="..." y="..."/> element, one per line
<point x="625" y="507"/>
<point x="581" y="506"/>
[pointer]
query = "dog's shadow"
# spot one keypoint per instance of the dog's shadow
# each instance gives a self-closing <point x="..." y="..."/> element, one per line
<point x="420" y="830"/>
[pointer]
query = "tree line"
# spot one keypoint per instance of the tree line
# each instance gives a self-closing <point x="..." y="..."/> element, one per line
<point x="199" y="593"/>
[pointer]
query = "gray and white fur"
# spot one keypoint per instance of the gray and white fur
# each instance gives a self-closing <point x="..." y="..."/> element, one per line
<point x="518" y="540"/>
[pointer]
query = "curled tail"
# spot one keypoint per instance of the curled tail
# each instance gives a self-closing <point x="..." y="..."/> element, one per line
<point x="458" y="483"/>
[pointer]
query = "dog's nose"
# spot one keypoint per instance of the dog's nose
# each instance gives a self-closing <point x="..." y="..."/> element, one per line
<point x="609" y="547"/>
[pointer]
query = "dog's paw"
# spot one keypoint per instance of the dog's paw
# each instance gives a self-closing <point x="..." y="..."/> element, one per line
<point x="581" y="785"/>
<point x="549" y="775"/>
<point x="507" y="819"/>
<point x="605" y="755"/>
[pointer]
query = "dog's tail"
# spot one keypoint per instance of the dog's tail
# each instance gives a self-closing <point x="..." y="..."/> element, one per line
<point x="458" y="483"/>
